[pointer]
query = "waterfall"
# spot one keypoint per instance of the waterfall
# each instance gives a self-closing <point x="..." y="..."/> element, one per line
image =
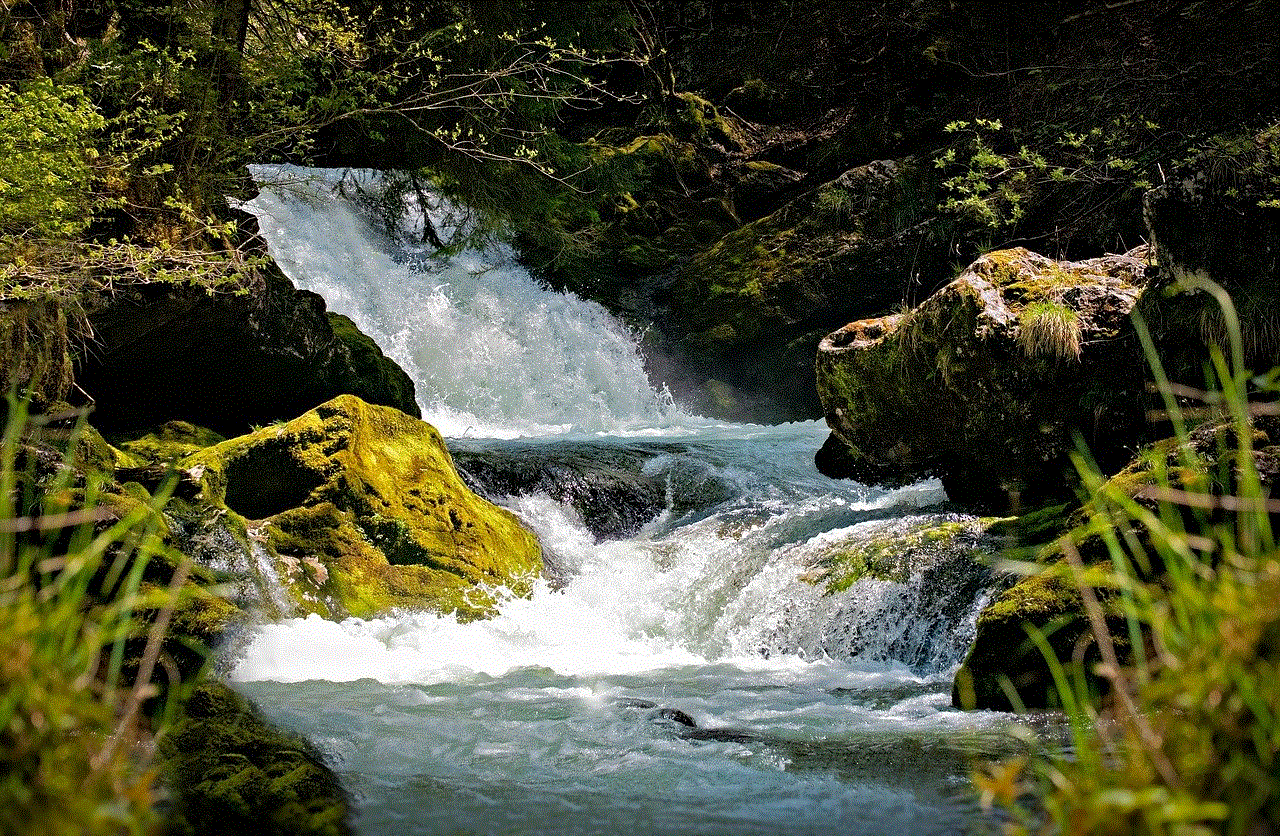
<point x="492" y="352"/>
<point x="809" y="627"/>
<point x="724" y="567"/>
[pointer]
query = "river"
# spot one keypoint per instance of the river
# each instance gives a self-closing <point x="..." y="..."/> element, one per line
<point x="683" y="665"/>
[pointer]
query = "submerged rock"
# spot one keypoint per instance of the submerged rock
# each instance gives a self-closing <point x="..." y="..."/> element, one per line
<point x="607" y="484"/>
<point x="363" y="508"/>
<point x="986" y="382"/>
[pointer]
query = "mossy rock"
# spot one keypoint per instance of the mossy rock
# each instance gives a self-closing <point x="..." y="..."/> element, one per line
<point x="170" y="442"/>
<point x="364" y="509"/>
<point x="232" y="772"/>
<point x="368" y="372"/>
<point x="36" y="354"/>
<point x="1004" y="661"/>
<point x="994" y="415"/>
<point x="899" y="549"/>
<point x="227" y="361"/>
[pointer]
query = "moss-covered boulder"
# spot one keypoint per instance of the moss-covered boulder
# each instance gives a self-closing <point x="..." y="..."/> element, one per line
<point x="364" y="511"/>
<point x="1005" y="665"/>
<point x="988" y="381"/>
<point x="1005" y="668"/>
<point x="232" y="772"/>
<point x="169" y="442"/>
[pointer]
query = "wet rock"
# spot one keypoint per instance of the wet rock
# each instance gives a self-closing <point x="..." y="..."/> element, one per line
<point x="987" y="382"/>
<point x="605" y="483"/>
<point x="675" y="715"/>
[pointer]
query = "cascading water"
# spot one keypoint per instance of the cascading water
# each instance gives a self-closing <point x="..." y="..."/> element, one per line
<point x="491" y="351"/>
<point x="693" y="577"/>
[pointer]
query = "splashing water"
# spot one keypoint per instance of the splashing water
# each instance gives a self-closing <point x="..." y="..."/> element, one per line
<point x="818" y="709"/>
<point x="492" y="352"/>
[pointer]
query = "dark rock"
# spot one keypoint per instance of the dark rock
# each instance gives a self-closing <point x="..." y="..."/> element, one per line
<point x="227" y="360"/>
<point x="606" y="484"/>
<point x="1003" y="654"/>
<point x="675" y="715"/>
<point x="987" y="382"/>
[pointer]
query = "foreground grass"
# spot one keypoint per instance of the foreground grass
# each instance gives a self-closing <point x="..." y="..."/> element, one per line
<point x="78" y="713"/>
<point x="1186" y="736"/>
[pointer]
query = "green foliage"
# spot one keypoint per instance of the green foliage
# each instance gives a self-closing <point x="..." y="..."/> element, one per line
<point x="995" y="175"/>
<point x="1049" y="329"/>
<point x="80" y="637"/>
<point x="1189" y="740"/>
<point x="47" y="153"/>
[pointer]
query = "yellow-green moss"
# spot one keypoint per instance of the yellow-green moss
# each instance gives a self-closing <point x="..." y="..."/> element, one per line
<point x="367" y="504"/>
<point x="1003" y="656"/>
<point x="889" y="556"/>
<point x="231" y="772"/>
<point x="170" y="442"/>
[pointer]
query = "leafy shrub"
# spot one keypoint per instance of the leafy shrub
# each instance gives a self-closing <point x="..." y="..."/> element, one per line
<point x="46" y="158"/>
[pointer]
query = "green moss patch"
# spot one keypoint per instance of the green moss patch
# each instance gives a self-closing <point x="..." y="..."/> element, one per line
<point x="232" y="772"/>
<point x="895" y="552"/>
<point x="365" y="512"/>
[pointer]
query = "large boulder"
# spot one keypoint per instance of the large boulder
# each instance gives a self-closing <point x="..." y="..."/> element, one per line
<point x="989" y="381"/>
<point x="227" y="360"/>
<point x="362" y="510"/>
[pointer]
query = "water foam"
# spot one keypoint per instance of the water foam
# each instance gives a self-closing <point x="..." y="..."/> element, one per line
<point x="728" y="591"/>
<point x="492" y="352"/>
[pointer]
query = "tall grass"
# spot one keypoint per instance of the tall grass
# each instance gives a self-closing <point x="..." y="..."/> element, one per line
<point x="80" y="641"/>
<point x="1187" y="738"/>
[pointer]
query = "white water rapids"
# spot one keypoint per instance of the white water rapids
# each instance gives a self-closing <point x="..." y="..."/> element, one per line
<point x="815" y="712"/>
